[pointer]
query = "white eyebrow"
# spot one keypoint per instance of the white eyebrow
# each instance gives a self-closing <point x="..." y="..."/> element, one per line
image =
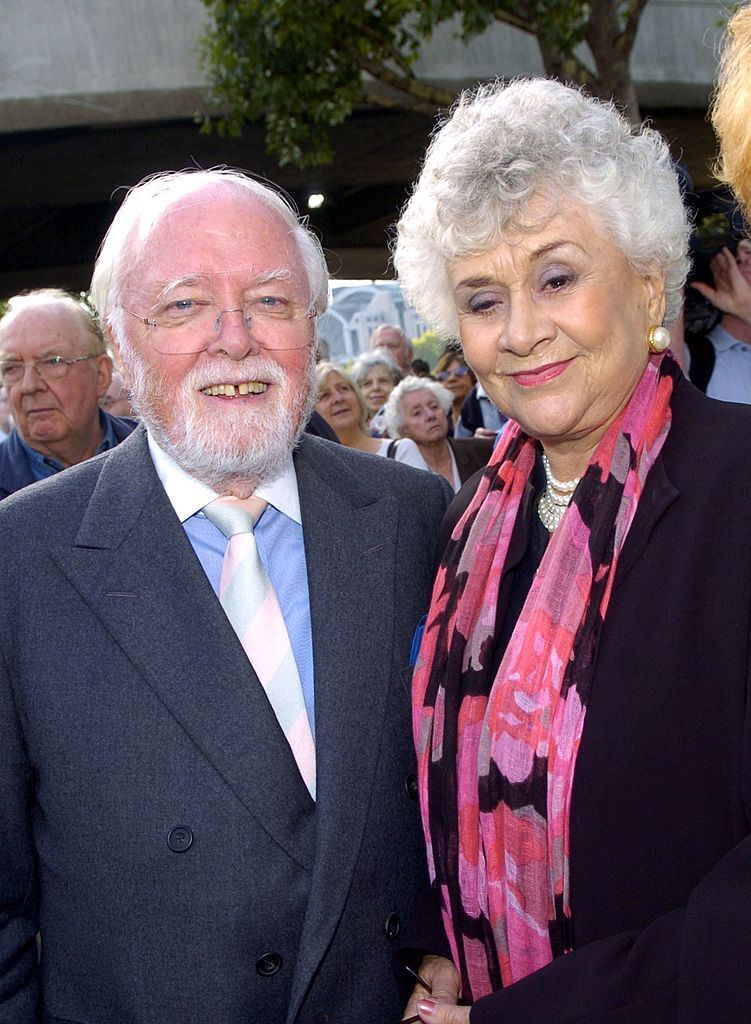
<point x="281" y="274"/>
<point x="181" y="282"/>
<point x="190" y="280"/>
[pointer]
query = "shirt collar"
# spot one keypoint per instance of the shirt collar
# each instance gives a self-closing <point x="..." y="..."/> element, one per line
<point x="723" y="340"/>
<point x="189" y="495"/>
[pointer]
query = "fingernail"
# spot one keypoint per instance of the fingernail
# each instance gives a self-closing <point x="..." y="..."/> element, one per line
<point x="426" y="1007"/>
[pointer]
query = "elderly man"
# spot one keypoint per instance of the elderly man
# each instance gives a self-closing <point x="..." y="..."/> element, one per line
<point x="208" y="803"/>
<point x="393" y="338"/>
<point x="54" y="369"/>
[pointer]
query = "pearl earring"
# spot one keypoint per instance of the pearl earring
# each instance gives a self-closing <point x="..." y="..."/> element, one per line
<point x="658" y="339"/>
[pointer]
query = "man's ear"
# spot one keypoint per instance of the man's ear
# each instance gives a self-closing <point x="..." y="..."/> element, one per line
<point x="103" y="366"/>
<point x="114" y="346"/>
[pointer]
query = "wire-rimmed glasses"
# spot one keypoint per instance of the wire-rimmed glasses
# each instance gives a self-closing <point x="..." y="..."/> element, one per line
<point x="188" y="323"/>
<point x="49" y="368"/>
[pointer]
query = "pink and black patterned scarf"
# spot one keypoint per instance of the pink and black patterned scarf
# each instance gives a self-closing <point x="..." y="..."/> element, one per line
<point x="496" y="755"/>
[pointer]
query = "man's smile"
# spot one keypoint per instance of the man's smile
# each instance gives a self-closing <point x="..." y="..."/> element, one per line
<point x="248" y="387"/>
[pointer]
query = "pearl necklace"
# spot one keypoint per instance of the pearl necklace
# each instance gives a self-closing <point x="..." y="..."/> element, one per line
<point x="555" y="498"/>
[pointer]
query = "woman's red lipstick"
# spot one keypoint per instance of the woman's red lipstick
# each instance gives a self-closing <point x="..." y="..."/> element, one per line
<point x="543" y="374"/>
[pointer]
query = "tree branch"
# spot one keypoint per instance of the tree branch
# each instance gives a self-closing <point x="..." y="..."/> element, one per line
<point x="631" y="26"/>
<point x="431" y="97"/>
<point x="515" y="21"/>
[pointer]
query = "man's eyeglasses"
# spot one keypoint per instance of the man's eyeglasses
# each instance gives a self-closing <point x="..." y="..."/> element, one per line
<point x="51" y="368"/>
<point x="187" y="324"/>
<point x="460" y="371"/>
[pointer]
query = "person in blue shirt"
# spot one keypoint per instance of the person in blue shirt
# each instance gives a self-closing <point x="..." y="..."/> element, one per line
<point x="54" y="368"/>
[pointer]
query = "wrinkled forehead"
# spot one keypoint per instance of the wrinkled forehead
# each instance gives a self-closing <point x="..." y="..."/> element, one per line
<point x="40" y="330"/>
<point x="391" y="339"/>
<point x="215" y="236"/>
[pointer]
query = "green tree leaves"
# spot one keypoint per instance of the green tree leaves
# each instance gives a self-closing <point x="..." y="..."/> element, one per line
<point x="302" y="66"/>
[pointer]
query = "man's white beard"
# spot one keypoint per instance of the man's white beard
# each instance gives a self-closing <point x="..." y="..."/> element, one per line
<point x="247" y="446"/>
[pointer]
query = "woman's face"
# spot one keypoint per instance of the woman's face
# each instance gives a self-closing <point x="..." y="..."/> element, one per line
<point x="424" y="419"/>
<point x="554" y="324"/>
<point x="376" y="386"/>
<point x="457" y="379"/>
<point x="337" y="403"/>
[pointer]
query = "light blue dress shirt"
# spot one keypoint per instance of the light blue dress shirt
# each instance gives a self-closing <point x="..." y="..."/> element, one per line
<point x="279" y="537"/>
<point x="731" y="374"/>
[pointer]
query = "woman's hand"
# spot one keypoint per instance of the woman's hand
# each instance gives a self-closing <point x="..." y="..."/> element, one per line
<point x="445" y="986"/>
<point x="442" y="1013"/>
<point x="731" y="292"/>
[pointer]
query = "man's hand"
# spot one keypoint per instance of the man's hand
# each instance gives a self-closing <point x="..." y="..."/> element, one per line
<point x="731" y="292"/>
<point x="445" y="984"/>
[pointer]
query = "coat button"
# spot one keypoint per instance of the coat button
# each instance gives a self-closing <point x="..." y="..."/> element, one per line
<point x="393" y="927"/>
<point x="180" y="839"/>
<point x="410" y="784"/>
<point x="269" y="964"/>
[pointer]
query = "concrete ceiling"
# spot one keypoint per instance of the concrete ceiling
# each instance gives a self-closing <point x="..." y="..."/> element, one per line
<point x="60" y="188"/>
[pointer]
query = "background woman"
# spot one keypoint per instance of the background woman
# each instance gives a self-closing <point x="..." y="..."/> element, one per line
<point x="418" y="408"/>
<point x="731" y="106"/>
<point x="580" y="700"/>
<point x="376" y="375"/>
<point x="342" y="406"/>
<point x="456" y="376"/>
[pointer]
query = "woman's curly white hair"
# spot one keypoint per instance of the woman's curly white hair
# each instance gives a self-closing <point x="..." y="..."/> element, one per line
<point x="504" y="144"/>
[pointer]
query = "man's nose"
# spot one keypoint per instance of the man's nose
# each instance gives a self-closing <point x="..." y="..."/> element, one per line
<point x="31" y="379"/>
<point x="234" y="334"/>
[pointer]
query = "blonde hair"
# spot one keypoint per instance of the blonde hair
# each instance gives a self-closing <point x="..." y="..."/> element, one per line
<point x="324" y="370"/>
<point x="731" y="109"/>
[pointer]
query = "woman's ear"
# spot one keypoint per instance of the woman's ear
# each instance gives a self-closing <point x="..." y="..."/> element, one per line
<point x="654" y="283"/>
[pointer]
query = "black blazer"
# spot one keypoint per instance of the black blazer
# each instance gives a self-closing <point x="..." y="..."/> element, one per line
<point x="661" y="807"/>
<point x="471" y="454"/>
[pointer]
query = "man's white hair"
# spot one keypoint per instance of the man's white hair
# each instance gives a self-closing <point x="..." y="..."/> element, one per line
<point x="147" y="202"/>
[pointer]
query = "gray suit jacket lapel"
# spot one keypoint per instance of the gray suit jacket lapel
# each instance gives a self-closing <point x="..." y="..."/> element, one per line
<point x="350" y="541"/>
<point x="134" y="566"/>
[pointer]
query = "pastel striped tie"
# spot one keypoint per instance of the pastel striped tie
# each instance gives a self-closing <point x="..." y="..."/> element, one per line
<point x="251" y="606"/>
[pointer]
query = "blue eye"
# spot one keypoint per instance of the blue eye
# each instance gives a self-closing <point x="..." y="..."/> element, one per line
<point x="183" y="307"/>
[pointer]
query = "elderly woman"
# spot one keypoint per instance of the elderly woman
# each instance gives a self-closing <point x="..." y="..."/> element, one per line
<point x="340" y="403"/>
<point x="418" y="408"/>
<point x="452" y="371"/>
<point x="376" y="375"/>
<point x="580" y="699"/>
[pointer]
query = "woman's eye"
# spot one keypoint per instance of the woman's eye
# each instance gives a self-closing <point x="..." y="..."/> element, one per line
<point x="484" y="303"/>
<point x="556" y="281"/>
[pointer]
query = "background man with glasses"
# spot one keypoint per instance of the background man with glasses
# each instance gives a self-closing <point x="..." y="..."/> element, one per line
<point x="207" y="799"/>
<point x="54" y="369"/>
